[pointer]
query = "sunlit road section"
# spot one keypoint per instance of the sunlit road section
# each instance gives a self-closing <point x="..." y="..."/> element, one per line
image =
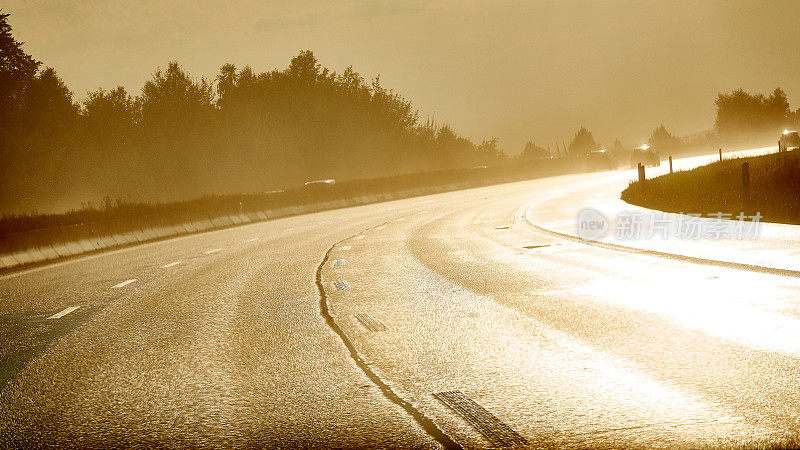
<point x="467" y="319"/>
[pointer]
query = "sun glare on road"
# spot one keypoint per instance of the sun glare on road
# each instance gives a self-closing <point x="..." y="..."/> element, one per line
<point x="399" y="224"/>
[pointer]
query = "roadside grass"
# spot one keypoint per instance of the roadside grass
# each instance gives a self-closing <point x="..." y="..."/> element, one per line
<point x="717" y="187"/>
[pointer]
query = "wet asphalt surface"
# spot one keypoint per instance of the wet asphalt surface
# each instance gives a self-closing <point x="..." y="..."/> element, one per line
<point x="446" y="320"/>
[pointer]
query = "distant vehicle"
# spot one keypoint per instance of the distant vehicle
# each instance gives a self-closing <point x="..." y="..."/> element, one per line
<point x="789" y="140"/>
<point x="601" y="160"/>
<point x="646" y="156"/>
<point x="319" y="184"/>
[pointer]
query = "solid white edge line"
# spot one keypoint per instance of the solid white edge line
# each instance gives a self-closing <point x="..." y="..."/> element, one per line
<point x="63" y="312"/>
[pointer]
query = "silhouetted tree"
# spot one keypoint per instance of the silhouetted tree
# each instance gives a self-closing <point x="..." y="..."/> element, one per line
<point x="582" y="143"/>
<point x="489" y="152"/>
<point x="533" y="152"/>
<point x="110" y="127"/>
<point x="663" y="141"/>
<point x="743" y="116"/>
<point x="110" y="112"/>
<point x="172" y="100"/>
<point x="246" y="132"/>
<point x="776" y="108"/>
<point x="17" y="70"/>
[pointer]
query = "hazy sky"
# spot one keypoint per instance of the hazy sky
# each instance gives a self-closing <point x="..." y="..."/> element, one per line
<point x="518" y="70"/>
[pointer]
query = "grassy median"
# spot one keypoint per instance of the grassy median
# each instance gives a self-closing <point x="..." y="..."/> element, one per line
<point x="774" y="189"/>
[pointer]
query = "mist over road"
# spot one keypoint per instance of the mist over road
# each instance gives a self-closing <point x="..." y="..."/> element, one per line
<point x="468" y="318"/>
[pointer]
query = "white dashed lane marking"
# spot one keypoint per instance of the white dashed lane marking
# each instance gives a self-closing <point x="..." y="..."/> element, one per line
<point x="166" y="266"/>
<point x="123" y="284"/>
<point x="346" y="247"/>
<point x="361" y="236"/>
<point x="208" y="252"/>
<point x="252" y="239"/>
<point x="338" y="262"/>
<point x="63" y="312"/>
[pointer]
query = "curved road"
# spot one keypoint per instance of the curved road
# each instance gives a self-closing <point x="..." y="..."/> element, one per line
<point x="466" y="319"/>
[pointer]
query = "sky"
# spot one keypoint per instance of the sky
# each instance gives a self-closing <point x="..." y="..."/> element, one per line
<point x="516" y="70"/>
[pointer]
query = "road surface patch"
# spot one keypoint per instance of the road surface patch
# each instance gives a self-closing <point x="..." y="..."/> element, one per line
<point x="370" y="322"/>
<point x="172" y="264"/>
<point x="341" y="285"/>
<point x="63" y="312"/>
<point x="492" y="428"/>
<point x="338" y="262"/>
<point x="124" y="283"/>
<point x="28" y="334"/>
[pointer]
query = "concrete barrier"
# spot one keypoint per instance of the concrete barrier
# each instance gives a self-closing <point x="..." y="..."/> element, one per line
<point x="163" y="226"/>
<point x="7" y="260"/>
<point x="175" y="223"/>
<point x="220" y="219"/>
<point x="68" y="240"/>
<point x="88" y="235"/>
<point x="58" y="240"/>
<point x="105" y="239"/>
<point x="240" y="219"/>
<point x="47" y="240"/>
<point x="138" y="227"/>
<point x="149" y="229"/>
<point x="24" y="248"/>
<point x="122" y="233"/>
<point x="17" y="249"/>
<point x="200" y="221"/>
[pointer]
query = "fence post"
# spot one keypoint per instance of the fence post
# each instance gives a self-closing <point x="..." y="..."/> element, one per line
<point x="720" y="154"/>
<point x="640" y="167"/>
<point x="670" y="164"/>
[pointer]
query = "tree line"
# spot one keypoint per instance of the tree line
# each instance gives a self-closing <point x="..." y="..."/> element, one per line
<point x="183" y="137"/>
<point x="242" y="131"/>
<point x="742" y="119"/>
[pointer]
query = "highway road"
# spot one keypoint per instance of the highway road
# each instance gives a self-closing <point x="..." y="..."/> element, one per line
<point x="467" y="319"/>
